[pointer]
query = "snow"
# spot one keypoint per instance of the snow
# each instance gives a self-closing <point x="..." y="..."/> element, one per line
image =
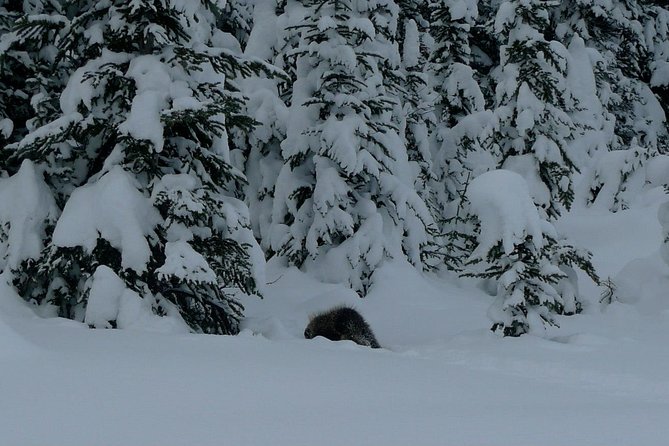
<point x="6" y="127"/>
<point x="182" y="261"/>
<point x="502" y="202"/>
<point x="153" y="84"/>
<point x="103" y="297"/>
<point x="110" y="301"/>
<point x="411" y="49"/>
<point x="12" y="311"/>
<point x="441" y="376"/>
<point x="26" y="205"/>
<point x="113" y="209"/>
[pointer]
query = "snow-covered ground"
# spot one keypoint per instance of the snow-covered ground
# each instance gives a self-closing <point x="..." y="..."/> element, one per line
<point x="443" y="378"/>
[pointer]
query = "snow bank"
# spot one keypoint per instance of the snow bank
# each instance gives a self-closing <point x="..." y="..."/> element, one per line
<point x="663" y="217"/>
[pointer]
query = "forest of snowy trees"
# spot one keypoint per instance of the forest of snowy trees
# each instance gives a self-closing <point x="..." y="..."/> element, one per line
<point x="154" y="154"/>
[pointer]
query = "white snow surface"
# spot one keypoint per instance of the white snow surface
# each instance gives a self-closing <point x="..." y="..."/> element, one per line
<point x="442" y="377"/>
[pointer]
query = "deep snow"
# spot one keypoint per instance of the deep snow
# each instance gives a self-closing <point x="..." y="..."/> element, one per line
<point x="443" y="378"/>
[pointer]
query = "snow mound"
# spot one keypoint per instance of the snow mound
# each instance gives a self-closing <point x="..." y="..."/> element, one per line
<point x="643" y="283"/>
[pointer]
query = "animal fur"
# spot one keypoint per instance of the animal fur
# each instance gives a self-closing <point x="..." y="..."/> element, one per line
<point x="339" y="324"/>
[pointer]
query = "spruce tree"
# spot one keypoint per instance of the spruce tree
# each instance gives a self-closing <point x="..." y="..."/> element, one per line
<point x="460" y="108"/>
<point x="345" y="197"/>
<point x="138" y="162"/>
<point x="26" y="65"/>
<point x="619" y="32"/>
<point x="535" y="282"/>
<point x="531" y="125"/>
<point x="530" y="133"/>
<point x="415" y="108"/>
<point x="259" y="150"/>
<point x="657" y="31"/>
<point x="520" y="251"/>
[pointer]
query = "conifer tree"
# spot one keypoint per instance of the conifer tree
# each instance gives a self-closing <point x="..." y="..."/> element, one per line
<point x="345" y="197"/>
<point x="138" y="162"/>
<point x="530" y="134"/>
<point x="415" y="108"/>
<point x="260" y="147"/>
<point x="520" y="251"/>
<point x="531" y="126"/>
<point x="416" y="117"/>
<point x="26" y="64"/>
<point x="460" y="109"/>
<point x="11" y="101"/>
<point x="617" y="31"/>
<point x="535" y="282"/>
<point x="657" y="32"/>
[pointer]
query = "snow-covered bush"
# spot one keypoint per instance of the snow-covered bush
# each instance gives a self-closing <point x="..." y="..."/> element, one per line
<point x="521" y="251"/>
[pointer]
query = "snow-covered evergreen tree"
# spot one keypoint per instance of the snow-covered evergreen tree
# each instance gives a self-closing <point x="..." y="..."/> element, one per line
<point x="460" y="107"/>
<point x="415" y="108"/>
<point x="417" y="119"/>
<point x="521" y="251"/>
<point x="138" y="163"/>
<point x="531" y="126"/>
<point x="616" y="34"/>
<point x="27" y="31"/>
<point x="455" y="82"/>
<point x="12" y="96"/>
<point x="345" y="198"/>
<point x="261" y="147"/>
<point x="656" y="31"/>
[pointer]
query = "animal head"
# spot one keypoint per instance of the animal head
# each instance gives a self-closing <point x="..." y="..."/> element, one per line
<point x="308" y="334"/>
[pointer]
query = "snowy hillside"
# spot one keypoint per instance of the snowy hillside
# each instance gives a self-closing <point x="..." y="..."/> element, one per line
<point x="442" y="379"/>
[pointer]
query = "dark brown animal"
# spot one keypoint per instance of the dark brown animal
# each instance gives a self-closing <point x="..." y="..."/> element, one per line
<point x="339" y="324"/>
